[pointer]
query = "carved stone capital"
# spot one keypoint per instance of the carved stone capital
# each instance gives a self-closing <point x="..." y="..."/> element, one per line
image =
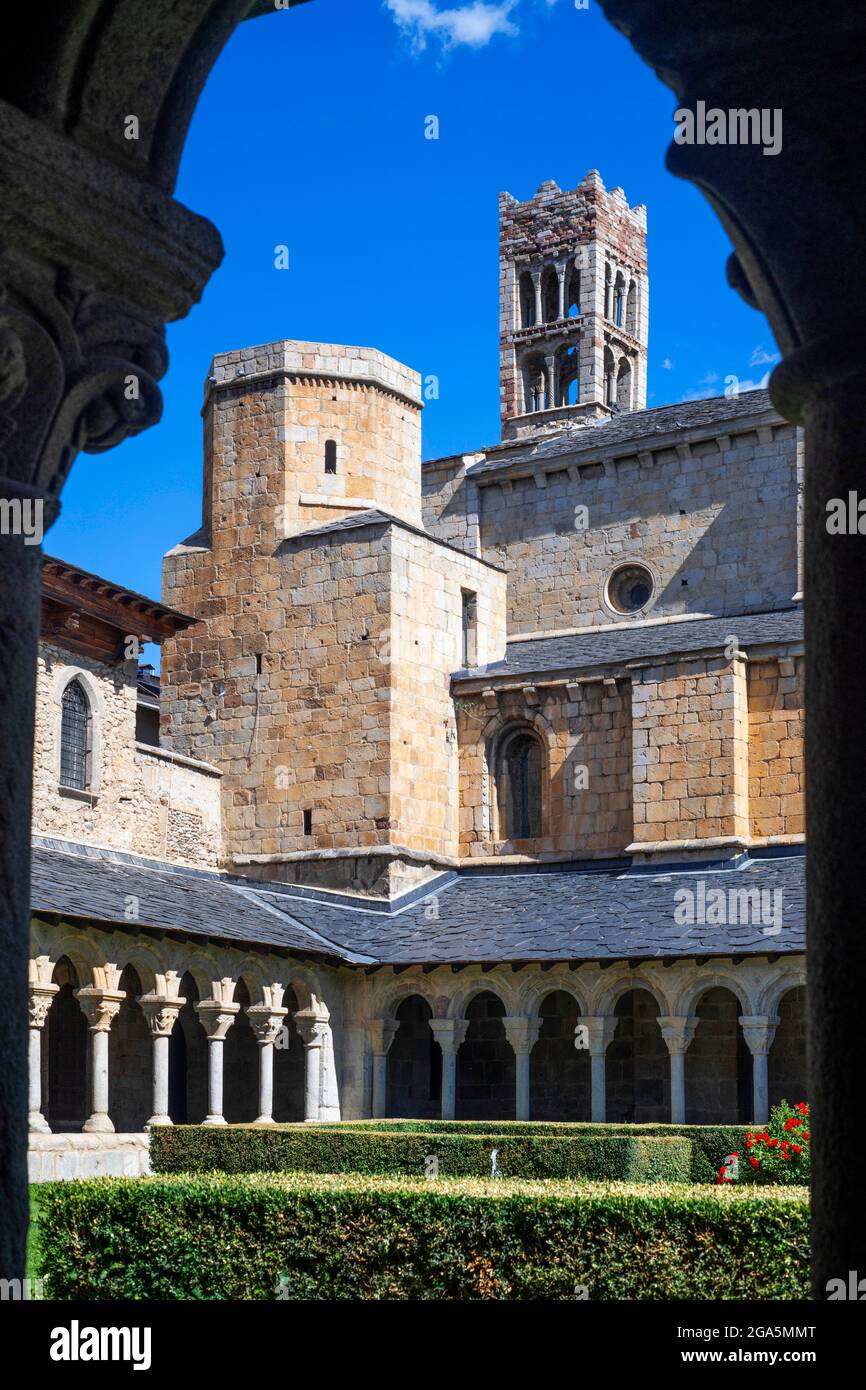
<point x="161" y="1013"/>
<point x="678" y="1032"/>
<point x="381" y="1032"/>
<point x="449" y="1033"/>
<point x="759" y="1031"/>
<point x="312" y="1027"/>
<point x="522" y="1033"/>
<point x="216" y="1017"/>
<point x="266" y="1022"/>
<point x="599" y="1031"/>
<point x="101" y="1006"/>
<point x="39" y="1002"/>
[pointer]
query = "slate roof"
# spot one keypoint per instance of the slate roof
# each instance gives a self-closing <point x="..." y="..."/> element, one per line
<point x="78" y="881"/>
<point x="614" y="646"/>
<point x="631" y="429"/>
<point x="569" y="912"/>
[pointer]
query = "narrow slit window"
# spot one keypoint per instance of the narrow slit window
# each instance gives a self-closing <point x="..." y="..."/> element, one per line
<point x="470" y="628"/>
<point x="308" y="821"/>
<point x="330" y="455"/>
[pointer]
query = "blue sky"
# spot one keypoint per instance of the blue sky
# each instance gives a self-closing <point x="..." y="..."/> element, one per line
<point x="310" y="134"/>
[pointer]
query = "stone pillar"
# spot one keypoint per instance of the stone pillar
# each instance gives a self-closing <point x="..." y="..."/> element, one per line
<point x="381" y="1033"/>
<point x="216" y="1019"/>
<point x="313" y="1028"/>
<point x="449" y="1033"/>
<point x="539" y="310"/>
<point x="101" y="1007"/>
<point x="678" y="1033"/>
<point x="550" y="363"/>
<point x="266" y="1024"/>
<point x="561" y="272"/>
<point x="161" y="1012"/>
<point x="759" y="1031"/>
<point x="39" y="1004"/>
<point x="522" y="1033"/>
<point x="600" y="1031"/>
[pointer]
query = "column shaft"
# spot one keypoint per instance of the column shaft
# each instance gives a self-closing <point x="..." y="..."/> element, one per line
<point x="215" y="1082"/>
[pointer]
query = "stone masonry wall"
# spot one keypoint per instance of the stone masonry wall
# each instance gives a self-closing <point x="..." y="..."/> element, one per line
<point x="139" y="801"/>
<point x="585" y="730"/>
<point x="690" y="739"/>
<point x="776" y="764"/>
<point x="716" y="528"/>
<point x="428" y="581"/>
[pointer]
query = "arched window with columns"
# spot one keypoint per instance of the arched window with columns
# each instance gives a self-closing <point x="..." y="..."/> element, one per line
<point x="527" y="300"/>
<point x="535" y="385"/>
<point x="572" y="293"/>
<point x="609" y="378"/>
<point x="631" y="309"/>
<point x="619" y="299"/>
<point x="550" y="295"/>
<point x="76" y="738"/>
<point x="519" y="765"/>
<point x="568" y="375"/>
<point x="623" y="384"/>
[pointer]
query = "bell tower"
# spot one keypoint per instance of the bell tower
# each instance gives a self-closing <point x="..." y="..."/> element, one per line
<point x="573" y="307"/>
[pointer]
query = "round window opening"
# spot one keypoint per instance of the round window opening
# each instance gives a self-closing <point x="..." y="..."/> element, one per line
<point x="630" y="589"/>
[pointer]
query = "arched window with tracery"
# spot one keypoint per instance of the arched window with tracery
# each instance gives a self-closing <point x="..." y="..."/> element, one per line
<point x="519" y="767"/>
<point x="76" y="736"/>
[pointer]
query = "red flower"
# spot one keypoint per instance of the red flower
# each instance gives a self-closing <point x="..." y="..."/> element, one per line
<point x="755" y="1162"/>
<point x="797" y="1149"/>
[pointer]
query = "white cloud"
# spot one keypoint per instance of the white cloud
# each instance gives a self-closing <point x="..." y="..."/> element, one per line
<point x="474" y="24"/>
<point x="761" y="358"/>
<point x="667" y="365"/>
<point x="709" y="380"/>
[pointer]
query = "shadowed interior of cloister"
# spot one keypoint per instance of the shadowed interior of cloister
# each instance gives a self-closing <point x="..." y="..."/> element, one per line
<point x="718" y="1062"/>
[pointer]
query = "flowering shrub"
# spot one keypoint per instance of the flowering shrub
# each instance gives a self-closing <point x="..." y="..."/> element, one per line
<point x="777" y="1154"/>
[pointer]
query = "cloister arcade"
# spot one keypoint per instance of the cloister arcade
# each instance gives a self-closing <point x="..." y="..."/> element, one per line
<point x="127" y="1033"/>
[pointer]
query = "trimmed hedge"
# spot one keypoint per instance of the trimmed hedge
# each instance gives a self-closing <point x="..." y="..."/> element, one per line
<point x="711" y="1144"/>
<point x="350" y="1237"/>
<point x="260" y="1149"/>
<point x="195" y="1149"/>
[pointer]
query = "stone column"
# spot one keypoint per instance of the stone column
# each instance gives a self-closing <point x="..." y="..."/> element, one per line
<point x="101" y="1007"/>
<point x="266" y="1024"/>
<point x="550" y="363"/>
<point x="522" y="1033"/>
<point x="216" y="1018"/>
<point x="600" y="1031"/>
<point x="161" y="1012"/>
<point x="449" y="1033"/>
<point x="561" y="273"/>
<point x="536" y="281"/>
<point x="313" y="1029"/>
<point x="39" y="1004"/>
<point x="759" y="1031"/>
<point x="678" y="1033"/>
<point x="381" y="1033"/>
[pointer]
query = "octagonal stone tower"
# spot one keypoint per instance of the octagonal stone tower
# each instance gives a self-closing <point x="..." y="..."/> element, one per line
<point x="317" y="677"/>
<point x="573" y="306"/>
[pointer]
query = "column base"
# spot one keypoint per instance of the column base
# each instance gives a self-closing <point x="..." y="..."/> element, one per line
<point x="215" y="1120"/>
<point x="37" y="1123"/>
<point x="265" y="1120"/>
<point x="98" y="1124"/>
<point x="159" y="1120"/>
